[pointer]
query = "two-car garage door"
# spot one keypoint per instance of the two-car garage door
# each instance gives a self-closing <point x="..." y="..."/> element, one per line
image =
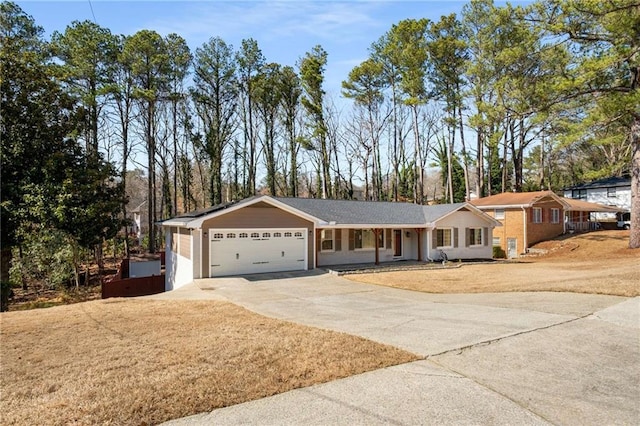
<point x="252" y="251"/>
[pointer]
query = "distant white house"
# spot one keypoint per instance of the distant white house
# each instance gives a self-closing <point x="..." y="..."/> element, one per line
<point x="139" y="216"/>
<point x="613" y="191"/>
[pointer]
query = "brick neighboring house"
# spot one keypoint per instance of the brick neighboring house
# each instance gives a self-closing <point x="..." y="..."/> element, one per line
<point x="526" y="217"/>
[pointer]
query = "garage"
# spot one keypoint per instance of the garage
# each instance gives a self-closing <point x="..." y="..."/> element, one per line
<point x="252" y="251"/>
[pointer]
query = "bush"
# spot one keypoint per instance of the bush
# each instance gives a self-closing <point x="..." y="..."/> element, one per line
<point x="498" y="253"/>
<point x="46" y="261"/>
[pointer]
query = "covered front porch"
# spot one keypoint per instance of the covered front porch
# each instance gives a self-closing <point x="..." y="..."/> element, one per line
<point x="581" y="215"/>
<point x="346" y="246"/>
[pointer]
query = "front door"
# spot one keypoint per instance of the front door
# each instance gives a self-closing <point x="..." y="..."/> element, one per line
<point x="397" y="243"/>
<point x="512" y="248"/>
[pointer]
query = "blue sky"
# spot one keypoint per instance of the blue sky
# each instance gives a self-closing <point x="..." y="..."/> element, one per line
<point x="284" y="30"/>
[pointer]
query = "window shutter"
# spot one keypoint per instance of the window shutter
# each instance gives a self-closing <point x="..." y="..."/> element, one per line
<point x="434" y="238"/>
<point x="352" y="239"/>
<point x="388" y="237"/>
<point x="467" y="236"/>
<point x="485" y="236"/>
<point x="455" y="237"/>
<point x="338" y="239"/>
<point x="318" y="240"/>
<point x="531" y="214"/>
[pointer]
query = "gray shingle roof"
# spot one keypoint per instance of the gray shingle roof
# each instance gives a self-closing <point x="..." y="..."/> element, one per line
<point x="369" y="212"/>
<point x="339" y="212"/>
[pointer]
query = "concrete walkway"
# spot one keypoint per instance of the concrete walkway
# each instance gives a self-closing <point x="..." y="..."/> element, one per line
<point x="504" y="358"/>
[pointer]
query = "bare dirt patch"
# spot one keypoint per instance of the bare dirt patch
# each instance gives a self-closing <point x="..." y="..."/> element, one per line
<point x="138" y="361"/>
<point x="597" y="262"/>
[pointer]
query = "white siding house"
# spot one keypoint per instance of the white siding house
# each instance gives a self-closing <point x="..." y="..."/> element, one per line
<point x="614" y="191"/>
<point x="271" y="234"/>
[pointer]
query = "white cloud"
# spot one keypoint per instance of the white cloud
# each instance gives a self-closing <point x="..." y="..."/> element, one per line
<point x="272" y="20"/>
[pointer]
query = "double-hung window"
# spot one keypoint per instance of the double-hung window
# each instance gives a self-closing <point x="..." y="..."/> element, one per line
<point x="555" y="215"/>
<point x="475" y="237"/>
<point x="366" y="239"/>
<point x="537" y="215"/>
<point x="326" y="240"/>
<point x="444" y="237"/>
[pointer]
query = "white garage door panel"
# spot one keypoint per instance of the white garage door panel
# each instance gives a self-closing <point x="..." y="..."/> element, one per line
<point x="250" y="251"/>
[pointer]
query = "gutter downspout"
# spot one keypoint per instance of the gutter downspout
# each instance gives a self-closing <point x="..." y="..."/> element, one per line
<point x="526" y="231"/>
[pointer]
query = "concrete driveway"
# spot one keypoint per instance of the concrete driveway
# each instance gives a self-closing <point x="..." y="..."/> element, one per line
<point x="504" y="358"/>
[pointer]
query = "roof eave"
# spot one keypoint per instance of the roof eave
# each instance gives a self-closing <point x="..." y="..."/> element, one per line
<point x="371" y="225"/>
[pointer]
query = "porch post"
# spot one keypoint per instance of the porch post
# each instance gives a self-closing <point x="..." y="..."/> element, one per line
<point x="376" y="233"/>
<point x="316" y="244"/>
<point x="419" y="232"/>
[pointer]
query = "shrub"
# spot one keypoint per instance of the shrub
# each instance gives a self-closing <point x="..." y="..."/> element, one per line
<point x="498" y="253"/>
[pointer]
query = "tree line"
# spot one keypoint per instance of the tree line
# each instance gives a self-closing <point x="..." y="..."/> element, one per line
<point x="494" y="99"/>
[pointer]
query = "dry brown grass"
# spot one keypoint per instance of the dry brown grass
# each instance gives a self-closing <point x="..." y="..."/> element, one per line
<point x="597" y="262"/>
<point x="134" y="361"/>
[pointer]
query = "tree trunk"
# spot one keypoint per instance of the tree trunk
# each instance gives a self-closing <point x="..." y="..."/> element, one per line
<point x="417" y="160"/>
<point x="5" y="263"/>
<point x="293" y="180"/>
<point x="465" y="164"/>
<point x="480" y="163"/>
<point x="175" y="159"/>
<point x="634" y="235"/>
<point x="151" y="187"/>
<point x="450" y="165"/>
<point x="325" y="166"/>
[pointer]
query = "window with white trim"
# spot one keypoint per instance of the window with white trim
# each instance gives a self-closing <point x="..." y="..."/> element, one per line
<point x="218" y="235"/>
<point x="243" y="235"/>
<point x="475" y="237"/>
<point x="287" y="234"/>
<point x="255" y="235"/>
<point x="326" y="240"/>
<point x="298" y="234"/>
<point x="277" y="235"/>
<point x="365" y="239"/>
<point x="266" y="235"/>
<point x="537" y="215"/>
<point x="498" y="214"/>
<point x="444" y="237"/>
<point x="231" y="235"/>
<point x="555" y="215"/>
<point x="611" y="192"/>
<point x="496" y="241"/>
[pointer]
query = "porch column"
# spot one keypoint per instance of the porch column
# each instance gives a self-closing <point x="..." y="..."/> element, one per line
<point x="419" y="232"/>
<point x="376" y="233"/>
<point x="316" y="245"/>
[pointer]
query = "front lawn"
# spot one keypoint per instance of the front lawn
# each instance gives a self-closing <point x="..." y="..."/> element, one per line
<point x="596" y="262"/>
<point x="138" y="361"/>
